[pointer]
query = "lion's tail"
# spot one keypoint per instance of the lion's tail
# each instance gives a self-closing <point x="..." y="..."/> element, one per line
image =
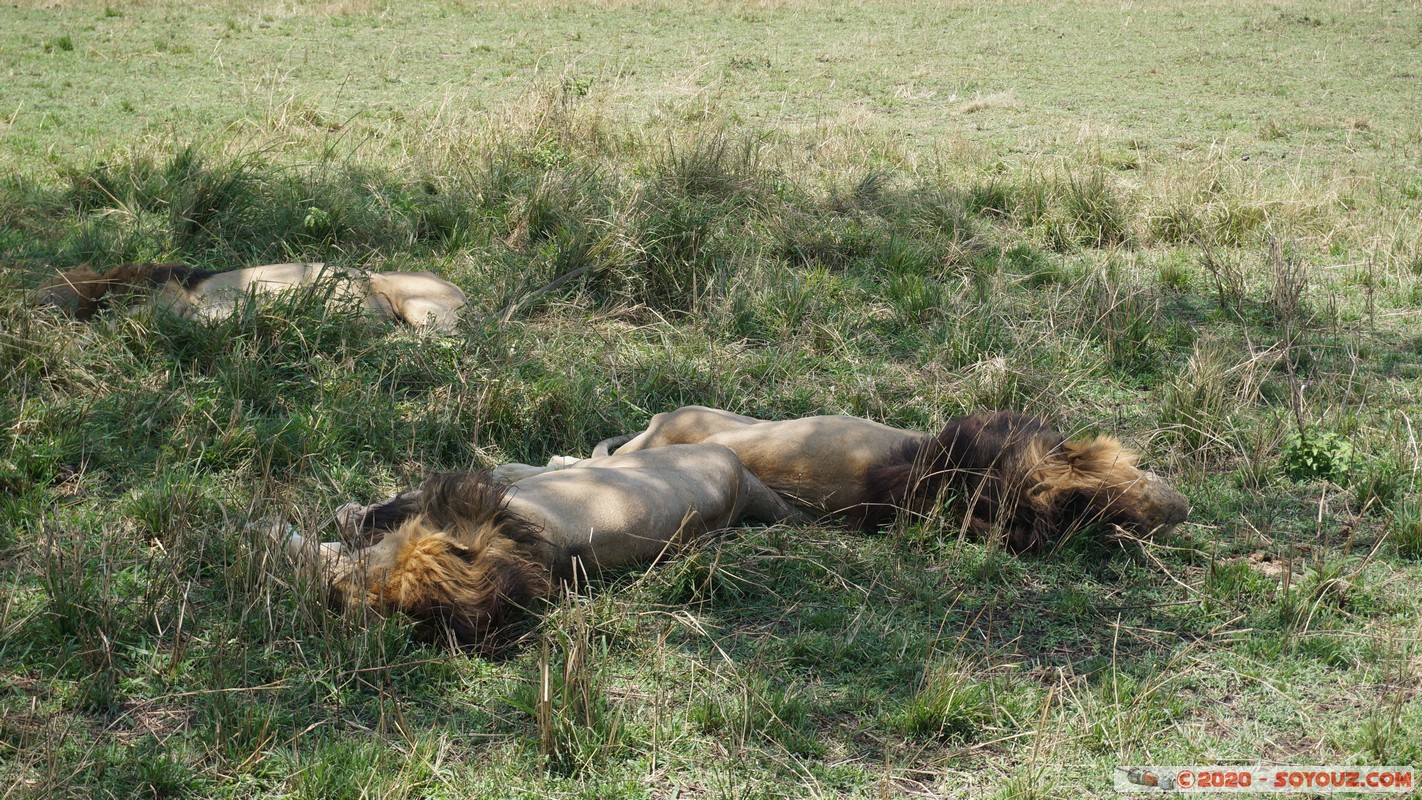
<point x="606" y="447"/>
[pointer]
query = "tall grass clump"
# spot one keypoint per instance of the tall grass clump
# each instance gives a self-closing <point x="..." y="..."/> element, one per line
<point x="1126" y="321"/>
<point x="1123" y="713"/>
<point x="953" y="704"/>
<point x="1406" y="529"/>
<point x="1201" y="408"/>
<point x="1215" y="207"/>
<point x="577" y="725"/>
<point x="90" y="607"/>
<point x="703" y="189"/>
<point x="1070" y="208"/>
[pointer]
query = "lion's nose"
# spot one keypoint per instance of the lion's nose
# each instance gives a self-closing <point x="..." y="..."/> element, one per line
<point x="1172" y="506"/>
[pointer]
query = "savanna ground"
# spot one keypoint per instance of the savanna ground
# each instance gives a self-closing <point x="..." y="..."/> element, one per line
<point x="1197" y="224"/>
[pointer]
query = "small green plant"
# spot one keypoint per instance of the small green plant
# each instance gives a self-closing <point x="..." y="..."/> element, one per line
<point x="1072" y="604"/>
<point x="62" y="44"/>
<point x="1406" y="528"/>
<point x="915" y="299"/>
<point x="577" y="86"/>
<point x="316" y="219"/>
<point x="1317" y="455"/>
<point x="991" y="565"/>
<point x="952" y="704"/>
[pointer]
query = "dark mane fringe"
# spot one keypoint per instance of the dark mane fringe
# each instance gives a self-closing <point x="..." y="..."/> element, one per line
<point x="468" y="561"/>
<point x="456" y="499"/>
<point x="387" y="516"/>
<point x="157" y="275"/>
<point x="91" y="291"/>
<point x="886" y="488"/>
<point x="448" y="500"/>
<point x="1012" y="471"/>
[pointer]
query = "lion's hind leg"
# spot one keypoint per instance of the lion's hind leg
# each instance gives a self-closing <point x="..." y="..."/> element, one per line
<point x="765" y="504"/>
<point x="360" y="523"/>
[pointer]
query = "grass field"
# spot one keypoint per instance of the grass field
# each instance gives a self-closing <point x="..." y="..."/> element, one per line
<point x="1195" y="224"/>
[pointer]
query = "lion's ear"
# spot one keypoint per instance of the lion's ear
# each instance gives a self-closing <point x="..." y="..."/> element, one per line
<point x="1097" y="456"/>
<point x="462" y="552"/>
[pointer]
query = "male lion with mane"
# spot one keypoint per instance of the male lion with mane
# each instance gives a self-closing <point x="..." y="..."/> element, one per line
<point x="469" y="551"/>
<point x="419" y="299"/>
<point x="1013" y="472"/>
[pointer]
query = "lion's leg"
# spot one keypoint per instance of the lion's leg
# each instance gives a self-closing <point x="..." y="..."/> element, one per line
<point x="420" y="312"/>
<point x="765" y="504"/>
<point x="356" y="522"/>
<point x="653" y="436"/>
<point x="605" y="447"/>
<point x="306" y="553"/>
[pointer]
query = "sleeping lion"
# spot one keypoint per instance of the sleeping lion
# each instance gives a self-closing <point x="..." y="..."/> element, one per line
<point x="419" y="299"/>
<point x="1013" y="472"/>
<point x="469" y="551"/>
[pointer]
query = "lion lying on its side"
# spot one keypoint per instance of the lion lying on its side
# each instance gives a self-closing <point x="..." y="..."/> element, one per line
<point x="467" y="550"/>
<point x="419" y="299"/>
<point x="1014" y="472"/>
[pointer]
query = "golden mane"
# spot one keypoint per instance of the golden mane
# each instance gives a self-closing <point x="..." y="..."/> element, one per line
<point x="463" y="559"/>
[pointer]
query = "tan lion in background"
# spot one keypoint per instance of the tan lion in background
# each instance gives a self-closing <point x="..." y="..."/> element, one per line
<point x="419" y="299"/>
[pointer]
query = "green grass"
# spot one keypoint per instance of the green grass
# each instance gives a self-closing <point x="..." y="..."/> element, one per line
<point x="1193" y="225"/>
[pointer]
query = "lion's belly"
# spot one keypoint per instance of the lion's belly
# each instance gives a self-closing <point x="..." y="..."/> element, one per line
<point x="624" y="511"/>
<point x="817" y="463"/>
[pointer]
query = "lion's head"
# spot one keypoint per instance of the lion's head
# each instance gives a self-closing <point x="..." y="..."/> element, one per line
<point x="77" y="292"/>
<point x="1016" y="474"/>
<point x="463" y="560"/>
<point x="83" y="292"/>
